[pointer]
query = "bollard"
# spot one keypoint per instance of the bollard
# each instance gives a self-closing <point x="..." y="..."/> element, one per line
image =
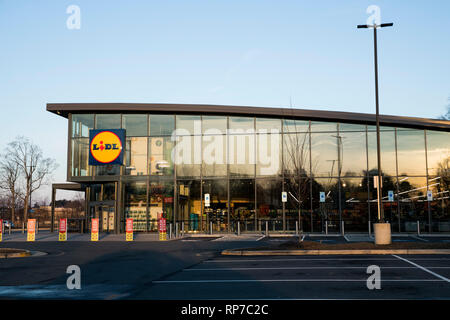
<point x="23" y="227"/>
<point x="170" y="231"/>
<point x="177" y="230"/>
<point x="37" y="227"/>
<point x="267" y="228"/>
<point x="370" y="231"/>
<point x="210" y="228"/>
<point x="239" y="228"/>
<point x="182" y="228"/>
<point x="326" y="227"/>
<point x="296" y="228"/>
<point x="9" y="228"/>
<point x="418" y="228"/>
<point x="343" y="225"/>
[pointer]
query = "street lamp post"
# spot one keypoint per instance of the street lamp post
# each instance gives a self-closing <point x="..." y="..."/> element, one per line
<point x="382" y="230"/>
<point x="377" y="115"/>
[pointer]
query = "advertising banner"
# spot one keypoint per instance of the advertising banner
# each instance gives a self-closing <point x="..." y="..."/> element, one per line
<point x="31" y="230"/>
<point x="62" y="229"/>
<point x="129" y="229"/>
<point x="106" y="147"/>
<point x="94" y="230"/>
<point x="162" y="229"/>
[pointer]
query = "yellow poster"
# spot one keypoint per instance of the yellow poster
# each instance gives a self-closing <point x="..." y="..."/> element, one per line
<point x="162" y="236"/>
<point x="129" y="236"/>
<point x="62" y="229"/>
<point x="94" y="230"/>
<point x="1" y="230"/>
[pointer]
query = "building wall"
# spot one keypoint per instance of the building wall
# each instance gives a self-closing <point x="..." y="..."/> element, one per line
<point x="244" y="163"/>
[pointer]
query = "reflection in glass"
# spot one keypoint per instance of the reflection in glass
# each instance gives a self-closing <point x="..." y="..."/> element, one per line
<point x="295" y="126"/>
<point x="268" y="124"/>
<point x="298" y="203"/>
<point x="317" y="126"/>
<point x="80" y="157"/>
<point x="214" y="125"/>
<point x="241" y="123"/>
<point x="354" y="208"/>
<point x="160" y="202"/>
<point x="214" y="155"/>
<point x="242" y="203"/>
<point x="135" y="204"/>
<point x="216" y="212"/>
<point x="438" y="152"/>
<point x="187" y="156"/>
<point x="160" y="156"/>
<point x="268" y="195"/>
<point x="241" y="157"/>
<point x="411" y="152"/>
<point x="327" y="210"/>
<point x="189" y="125"/>
<point x="325" y="159"/>
<point x="136" y="156"/>
<point x="412" y="198"/>
<point x="268" y="154"/>
<point x="161" y="125"/>
<point x="81" y="124"/>
<point x="190" y="205"/>
<point x="135" y="125"/>
<point x="353" y="153"/>
<point x="107" y="121"/>
<point x="388" y="158"/>
<point x="296" y="154"/>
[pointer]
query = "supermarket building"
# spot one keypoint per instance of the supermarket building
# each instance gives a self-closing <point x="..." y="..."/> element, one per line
<point x="210" y="168"/>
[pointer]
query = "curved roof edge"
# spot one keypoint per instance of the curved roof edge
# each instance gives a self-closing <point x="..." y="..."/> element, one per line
<point x="63" y="109"/>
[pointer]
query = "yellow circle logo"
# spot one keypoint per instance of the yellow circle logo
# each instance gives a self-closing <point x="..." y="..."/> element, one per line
<point x="106" y="147"/>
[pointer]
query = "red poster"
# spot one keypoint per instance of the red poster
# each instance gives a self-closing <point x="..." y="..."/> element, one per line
<point x="94" y="227"/>
<point x="31" y="226"/>
<point x="162" y="225"/>
<point x="62" y="225"/>
<point x="129" y="226"/>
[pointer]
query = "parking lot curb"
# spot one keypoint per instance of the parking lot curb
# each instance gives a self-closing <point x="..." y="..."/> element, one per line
<point x="330" y="252"/>
<point x="7" y="255"/>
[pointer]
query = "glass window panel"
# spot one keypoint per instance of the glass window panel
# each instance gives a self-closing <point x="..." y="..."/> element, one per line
<point x="95" y="192"/>
<point x="293" y="126"/>
<point x="190" y="205"/>
<point x="107" y="170"/>
<point x="268" y="195"/>
<point x="81" y="124"/>
<point x="382" y="128"/>
<point x="107" y="121"/>
<point x="214" y="125"/>
<point x="135" y="204"/>
<point x="136" y="156"/>
<point x="216" y="212"/>
<point x="389" y="207"/>
<point x="189" y="125"/>
<point x="160" y="156"/>
<point x="298" y="205"/>
<point x="268" y="124"/>
<point x="354" y="204"/>
<point x="242" y="201"/>
<point x="352" y="127"/>
<point x="80" y="157"/>
<point x="214" y="155"/>
<point x="135" y="125"/>
<point x="241" y="123"/>
<point x="411" y="152"/>
<point x="328" y="210"/>
<point x="317" y="126"/>
<point x="242" y="153"/>
<point x="161" y="125"/>
<point x="296" y="154"/>
<point x="388" y="158"/>
<point x="412" y="198"/>
<point x="268" y="153"/>
<point x="353" y="153"/>
<point x="109" y="191"/>
<point x="438" y="152"/>
<point x="187" y="156"/>
<point x="324" y="154"/>
<point x="160" y="202"/>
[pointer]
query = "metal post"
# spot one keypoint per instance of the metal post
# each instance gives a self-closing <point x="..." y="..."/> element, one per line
<point x="418" y="228"/>
<point x="37" y="226"/>
<point x="210" y="228"/>
<point x="267" y="228"/>
<point x="370" y="231"/>
<point x="239" y="228"/>
<point x="170" y="231"/>
<point x="9" y="228"/>
<point x="343" y="224"/>
<point x="176" y="229"/>
<point x="326" y="227"/>
<point x="296" y="228"/>
<point x="182" y="228"/>
<point x="23" y="227"/>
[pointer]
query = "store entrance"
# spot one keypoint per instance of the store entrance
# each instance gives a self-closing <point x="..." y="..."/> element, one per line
<point x="106" y="216"/>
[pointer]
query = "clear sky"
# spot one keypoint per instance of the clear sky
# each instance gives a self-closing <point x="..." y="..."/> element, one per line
<point x="236" y="52"/>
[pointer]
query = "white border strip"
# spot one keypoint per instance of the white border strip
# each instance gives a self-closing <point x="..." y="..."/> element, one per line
<point x="422" y="268"/>
<point x="290" y="280"/>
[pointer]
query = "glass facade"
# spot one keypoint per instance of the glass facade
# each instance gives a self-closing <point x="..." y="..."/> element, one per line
<point x="244" y="164"/>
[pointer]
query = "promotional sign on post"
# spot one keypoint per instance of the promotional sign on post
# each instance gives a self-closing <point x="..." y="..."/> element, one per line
<point x="63" y="229"/>
<point x="430" y="195"/>
<point x="31" y="230"/>
<point x="1" y="230"/>
<point x="162" y="229"/>
<point x="94" y="230"/>
<point x="207" y="200"/>
<point x="391" y="195"/>
<point x="284" y="196"/>
<point x="322" y="196"/>
<point x="129" y="229"/>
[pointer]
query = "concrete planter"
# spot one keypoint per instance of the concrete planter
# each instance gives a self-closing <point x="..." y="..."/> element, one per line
<point x="382" y="233"/>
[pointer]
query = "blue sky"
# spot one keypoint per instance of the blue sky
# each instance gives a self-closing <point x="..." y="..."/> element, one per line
<point x="256" y="53"/>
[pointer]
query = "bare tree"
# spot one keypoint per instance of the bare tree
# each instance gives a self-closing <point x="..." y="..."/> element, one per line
<point x="9" y="181"/>
<point x="34" y="168"/>
<point x="446" y="116"/>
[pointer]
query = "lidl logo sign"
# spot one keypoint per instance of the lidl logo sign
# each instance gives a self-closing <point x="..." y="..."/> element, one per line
<point x="106" y="146"/>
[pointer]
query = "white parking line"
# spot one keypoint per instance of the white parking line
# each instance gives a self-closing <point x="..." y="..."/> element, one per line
<point x="301" y="268"/>
<point x="422" y="268"/>
<point x="290" y="280"/>
<point x="321" y="259"/>
<point x="260" y="238"/>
